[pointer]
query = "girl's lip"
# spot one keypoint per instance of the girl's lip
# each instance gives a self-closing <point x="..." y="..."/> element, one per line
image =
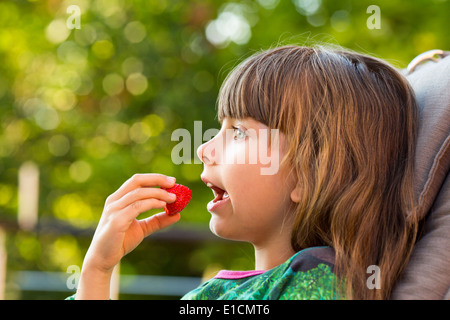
<point x="209" y="183"/>
<point x="221" y="197"/>
<point x="214" y="204"/>
<point x="219" y="193"/>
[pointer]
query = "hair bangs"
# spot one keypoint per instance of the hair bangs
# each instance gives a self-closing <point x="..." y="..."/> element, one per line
<point x="242" y="94"/>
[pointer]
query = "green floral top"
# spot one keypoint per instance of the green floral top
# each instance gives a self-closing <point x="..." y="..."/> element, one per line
<point x="306" y="275"/>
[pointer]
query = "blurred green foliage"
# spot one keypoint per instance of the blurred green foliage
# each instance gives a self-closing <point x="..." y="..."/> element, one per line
<point x="92" y="106"/>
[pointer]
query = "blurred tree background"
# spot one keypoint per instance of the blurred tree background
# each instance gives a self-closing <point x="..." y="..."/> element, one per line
<point x="85" y="109"/>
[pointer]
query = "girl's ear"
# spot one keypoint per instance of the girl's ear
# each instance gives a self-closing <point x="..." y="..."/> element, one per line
<point x="295" y="194"/>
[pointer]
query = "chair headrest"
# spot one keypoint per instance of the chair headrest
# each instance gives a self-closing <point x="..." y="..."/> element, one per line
<point x="426" y="275"/>
<point x="431" y="83"/>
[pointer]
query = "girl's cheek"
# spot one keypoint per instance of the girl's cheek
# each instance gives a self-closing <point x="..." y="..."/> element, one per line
<point x="243" y="152"/>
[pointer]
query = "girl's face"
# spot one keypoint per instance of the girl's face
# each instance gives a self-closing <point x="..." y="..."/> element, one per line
<point x="247" y="205"/>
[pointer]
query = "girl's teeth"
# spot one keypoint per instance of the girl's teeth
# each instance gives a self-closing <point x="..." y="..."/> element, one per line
<point x="217" y="193"/>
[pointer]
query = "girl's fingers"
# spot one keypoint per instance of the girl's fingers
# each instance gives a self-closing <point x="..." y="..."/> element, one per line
<point x="133" y="210"/>
<point x="157" y="222"/>
<point x="142" y="180"/>
<point x="142" y="194"/>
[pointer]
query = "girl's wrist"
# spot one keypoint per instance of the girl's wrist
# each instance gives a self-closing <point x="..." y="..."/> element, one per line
<point x="94" y="284"/>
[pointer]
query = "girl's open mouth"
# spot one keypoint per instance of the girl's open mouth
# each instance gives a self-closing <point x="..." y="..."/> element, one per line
<point x="219" y="194"/>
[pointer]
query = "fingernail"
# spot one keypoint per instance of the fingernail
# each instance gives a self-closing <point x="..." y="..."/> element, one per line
<point x="173" y="196"/>
<point x="171" y="179"/>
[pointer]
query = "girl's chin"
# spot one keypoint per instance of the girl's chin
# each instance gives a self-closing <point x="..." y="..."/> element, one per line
<point x="215" y="228"/>
<point x="223" y="230"/>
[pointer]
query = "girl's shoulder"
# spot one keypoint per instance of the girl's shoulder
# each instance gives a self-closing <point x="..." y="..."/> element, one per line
<point x="311" y="258"/>
<point x="308" y="274"/>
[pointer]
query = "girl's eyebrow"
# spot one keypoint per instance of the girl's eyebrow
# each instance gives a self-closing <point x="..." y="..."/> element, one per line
<point x="232" y="122"/>
<point x="243" y="122"/>
<point x="240" y="122"/>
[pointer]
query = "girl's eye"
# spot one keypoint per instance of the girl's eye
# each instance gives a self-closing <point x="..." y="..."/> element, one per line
<point x="238" y="133"/>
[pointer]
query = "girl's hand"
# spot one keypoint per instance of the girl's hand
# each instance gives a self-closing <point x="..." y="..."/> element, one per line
<point x="118" y="231"/>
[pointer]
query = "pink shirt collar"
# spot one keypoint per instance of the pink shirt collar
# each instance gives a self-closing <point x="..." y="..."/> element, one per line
<point x="228" y="274"/>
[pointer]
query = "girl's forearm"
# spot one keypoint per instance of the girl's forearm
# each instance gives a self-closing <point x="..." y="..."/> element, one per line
<point x="94" y="285"/>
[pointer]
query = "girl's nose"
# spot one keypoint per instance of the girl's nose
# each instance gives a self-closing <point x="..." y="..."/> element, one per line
<point x="206" y="153"/>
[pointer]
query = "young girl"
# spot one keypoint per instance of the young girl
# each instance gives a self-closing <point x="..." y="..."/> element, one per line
<point x="341" y="205"/>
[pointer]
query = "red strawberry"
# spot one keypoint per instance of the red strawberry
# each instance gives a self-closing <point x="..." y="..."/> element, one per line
<point x="184" y="195"/>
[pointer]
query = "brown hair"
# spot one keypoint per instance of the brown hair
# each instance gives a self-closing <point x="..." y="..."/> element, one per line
<point x="350" y="121"/>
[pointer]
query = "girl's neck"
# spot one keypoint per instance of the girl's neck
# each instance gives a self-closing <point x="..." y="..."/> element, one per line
<point x="269" y="257"/>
